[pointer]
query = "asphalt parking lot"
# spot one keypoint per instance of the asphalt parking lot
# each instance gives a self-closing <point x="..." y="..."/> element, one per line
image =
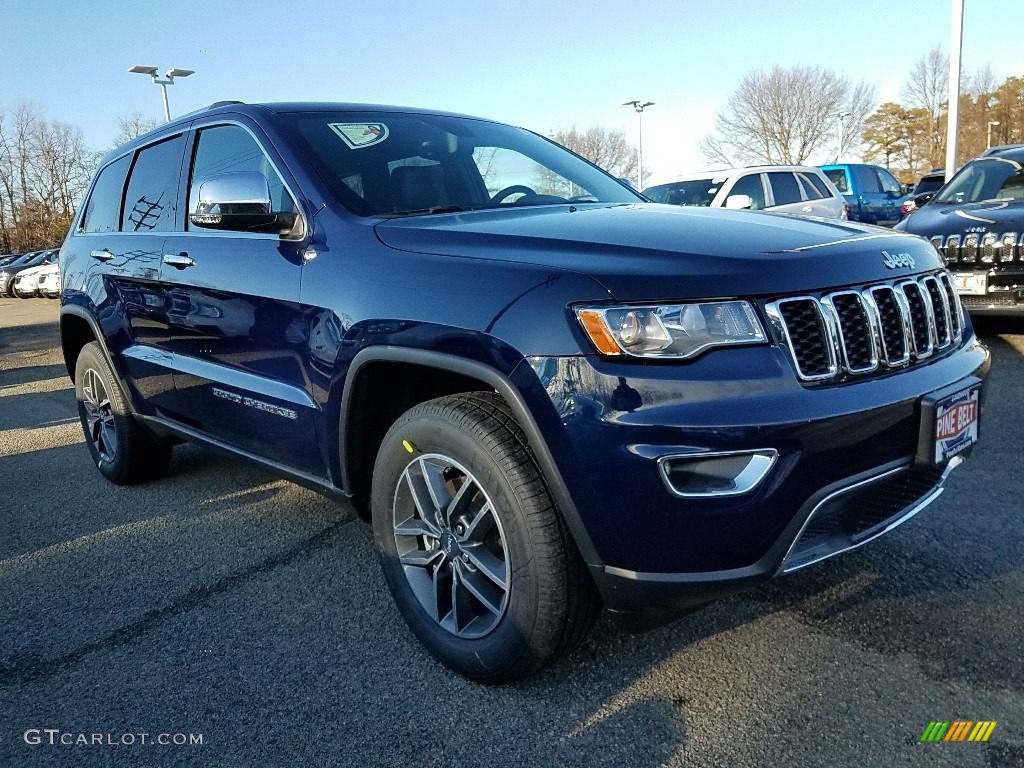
<point x="223" y="606"/>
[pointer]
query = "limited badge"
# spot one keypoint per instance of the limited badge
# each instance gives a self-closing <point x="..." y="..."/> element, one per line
<point x="360" y="135"/>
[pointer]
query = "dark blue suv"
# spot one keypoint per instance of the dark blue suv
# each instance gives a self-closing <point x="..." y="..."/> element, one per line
<point x="546" y="394"/>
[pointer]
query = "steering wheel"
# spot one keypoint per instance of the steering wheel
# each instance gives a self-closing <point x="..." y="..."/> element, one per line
<point x="515" y="189"/>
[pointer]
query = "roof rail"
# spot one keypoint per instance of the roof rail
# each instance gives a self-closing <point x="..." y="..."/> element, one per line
<point x="215" y="104"/>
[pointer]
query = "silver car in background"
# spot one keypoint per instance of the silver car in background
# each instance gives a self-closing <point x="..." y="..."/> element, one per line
<point x="797" y="189"/>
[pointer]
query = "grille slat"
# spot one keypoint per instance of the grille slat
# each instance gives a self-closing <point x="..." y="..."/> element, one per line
<point x="860" y="330"/>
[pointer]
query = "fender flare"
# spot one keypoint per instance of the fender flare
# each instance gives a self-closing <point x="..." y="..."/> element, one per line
<point x="501" y="384"/>
<point x="97" y="333"/>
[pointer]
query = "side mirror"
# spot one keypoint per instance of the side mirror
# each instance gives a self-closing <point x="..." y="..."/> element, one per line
<point x="738" y="202"/>
<point x="237" y="202"/>
<point x="906" y="189"/>
<point x="922" y="199"/>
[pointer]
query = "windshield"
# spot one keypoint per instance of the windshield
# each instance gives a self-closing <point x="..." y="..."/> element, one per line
<point x="694" y="192"/>
<point x="395" y="164"/>
<point x="994" y="178"/>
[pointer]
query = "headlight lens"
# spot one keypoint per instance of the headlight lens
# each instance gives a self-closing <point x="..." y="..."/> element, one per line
<point x="673" y="331"/>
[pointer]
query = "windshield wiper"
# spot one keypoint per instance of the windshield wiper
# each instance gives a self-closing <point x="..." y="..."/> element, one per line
<point x="427" y="211"/>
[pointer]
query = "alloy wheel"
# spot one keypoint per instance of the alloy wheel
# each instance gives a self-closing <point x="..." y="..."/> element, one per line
<point x="451" y="546"/>
<point x="101" y="428"/>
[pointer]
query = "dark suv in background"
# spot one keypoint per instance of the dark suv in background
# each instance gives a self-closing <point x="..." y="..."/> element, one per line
<point x="977" y="223"/>
<point x="547" y="394"/>
<point x="924" y="190"/>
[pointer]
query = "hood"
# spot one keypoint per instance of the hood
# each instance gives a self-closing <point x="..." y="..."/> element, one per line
<point x="653" y="252"/>
<point x="946" y="219"/>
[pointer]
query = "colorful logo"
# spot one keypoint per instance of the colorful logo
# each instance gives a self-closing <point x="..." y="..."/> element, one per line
<point x="958" y="730"/>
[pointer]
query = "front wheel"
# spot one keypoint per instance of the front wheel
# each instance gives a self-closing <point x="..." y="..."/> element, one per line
<point x="472" y="546"/>
<point x="124" y="451"/>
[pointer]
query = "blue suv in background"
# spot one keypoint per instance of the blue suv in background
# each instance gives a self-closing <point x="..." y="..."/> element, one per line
<point x="546" y="394"/>
<point x="875" y="196"/>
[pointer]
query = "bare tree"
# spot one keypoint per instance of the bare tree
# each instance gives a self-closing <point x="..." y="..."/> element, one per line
<point x="44" y="169"/>
<point x="787" y="114"/>
<point x="927" y="87"/>
<point x="606" y="149"/>
<point x="132" y="126"/>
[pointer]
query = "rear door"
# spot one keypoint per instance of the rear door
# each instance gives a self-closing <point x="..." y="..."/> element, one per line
<point x="113" y="263"/>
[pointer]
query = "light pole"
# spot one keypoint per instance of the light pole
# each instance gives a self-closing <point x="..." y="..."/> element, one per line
<point x="988" y="139"/>
<point x="639" y="107"/>
<point x="170" y="74"/>
<point x="840" y="116"/>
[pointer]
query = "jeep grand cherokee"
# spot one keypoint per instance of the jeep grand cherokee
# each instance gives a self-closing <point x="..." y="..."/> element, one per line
<point x="546" y="394"/>
<point x="976" y="221"/>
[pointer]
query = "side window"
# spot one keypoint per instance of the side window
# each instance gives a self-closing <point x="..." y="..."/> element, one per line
<point x="103" y="211"/>
<point x="867" y="180"/>
<point x="813" y="185"/>
<point x="889" y="182"/>
<point x="784" y="187"/>
<point x="750" y="185"/>
<point x="153" y="188"/>
<point x="232" y="149"/>
<point x="838" y="177"/>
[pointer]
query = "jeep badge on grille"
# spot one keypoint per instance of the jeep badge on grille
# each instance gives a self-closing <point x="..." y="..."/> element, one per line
<point x="894" y="261"/>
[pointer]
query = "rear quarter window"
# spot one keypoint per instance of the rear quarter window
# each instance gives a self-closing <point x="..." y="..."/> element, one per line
<point x="103" y="211"/>
<point x="814" y="186"/>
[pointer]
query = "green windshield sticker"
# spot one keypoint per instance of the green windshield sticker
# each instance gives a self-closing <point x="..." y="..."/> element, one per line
<point x="360" y="135"/>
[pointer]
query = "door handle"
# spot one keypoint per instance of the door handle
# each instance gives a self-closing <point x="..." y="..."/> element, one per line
<point x="103" y="255"/>
<point x="806" y="209"/>
<point x="180" y="261"/>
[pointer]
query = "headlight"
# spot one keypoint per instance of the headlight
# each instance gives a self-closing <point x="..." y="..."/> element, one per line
<point x="674" y="331"/>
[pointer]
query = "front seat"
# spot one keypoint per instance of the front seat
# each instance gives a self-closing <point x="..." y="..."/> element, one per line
<point x="419" y="186"/>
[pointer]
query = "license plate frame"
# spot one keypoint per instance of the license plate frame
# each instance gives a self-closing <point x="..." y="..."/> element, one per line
<point x="971" y="283"/>
<point x="950" y="423"/>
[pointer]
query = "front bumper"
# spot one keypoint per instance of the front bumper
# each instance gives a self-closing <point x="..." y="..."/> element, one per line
<point x="845" y="472"/>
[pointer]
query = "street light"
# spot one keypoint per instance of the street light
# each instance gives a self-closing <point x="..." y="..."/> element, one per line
<point x="170" y="74"/>
<point x="639" y="107"/>
<point x="840" y="116"/>
<point x="988" y="140"/>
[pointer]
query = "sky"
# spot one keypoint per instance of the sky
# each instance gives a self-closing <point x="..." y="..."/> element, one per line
<point x="542" y="64"/>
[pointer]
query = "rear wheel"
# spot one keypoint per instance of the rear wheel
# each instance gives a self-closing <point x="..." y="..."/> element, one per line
<point x="472" y="546"/>
<point x="124" y="451"/>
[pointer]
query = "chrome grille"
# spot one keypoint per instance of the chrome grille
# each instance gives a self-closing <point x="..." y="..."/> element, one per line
<point x="858" y="331"/>
<point x="989" y="248"/>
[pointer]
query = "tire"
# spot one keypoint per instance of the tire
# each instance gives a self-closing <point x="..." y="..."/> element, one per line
<point x="481" y="565"/>
<point x="124" y="451"/>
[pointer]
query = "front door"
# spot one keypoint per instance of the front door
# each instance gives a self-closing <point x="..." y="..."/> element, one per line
<point x="233" y="320"/>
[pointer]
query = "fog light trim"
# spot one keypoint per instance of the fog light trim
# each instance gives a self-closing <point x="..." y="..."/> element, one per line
<point x="715" y="475"/>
